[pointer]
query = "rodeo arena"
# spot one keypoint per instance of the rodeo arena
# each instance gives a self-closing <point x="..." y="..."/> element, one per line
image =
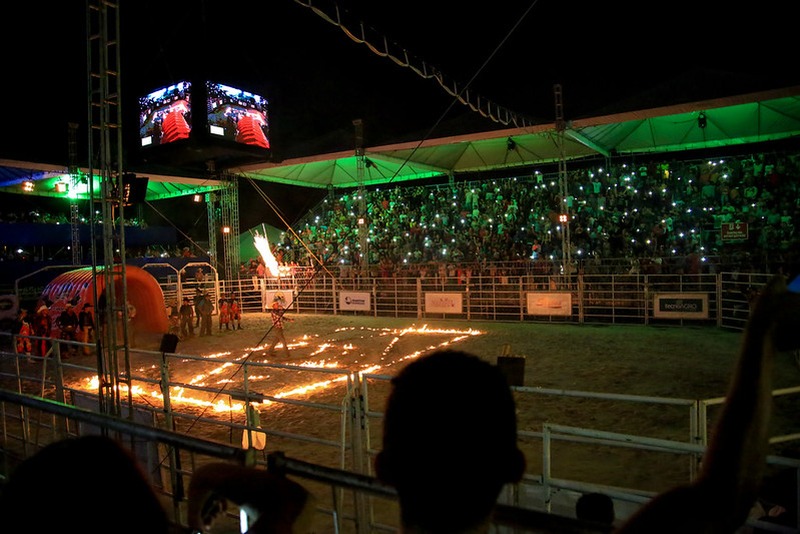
<point x="659" y="220"/>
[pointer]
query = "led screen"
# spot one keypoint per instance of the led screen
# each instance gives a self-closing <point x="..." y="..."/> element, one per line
<point x="165" y="115"/>
<point x="237" y="115"/>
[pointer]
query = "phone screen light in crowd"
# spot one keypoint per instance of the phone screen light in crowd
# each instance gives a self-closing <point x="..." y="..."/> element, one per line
<point x="794" y="285"/>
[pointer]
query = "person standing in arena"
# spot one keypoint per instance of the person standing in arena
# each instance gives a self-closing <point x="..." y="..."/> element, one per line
<point x="277" y="313"/>
<point x="224" y="313"/>
<point x="236" y="312"/>
<point x="205" y="307"/>
<point x="86" y="325"/>
<point x="42" y="327"/>
<point x="23" y="330"/>
<point x="198" y="298"/>
<point x="186" y="313"/>
<point x="68" y="323"/>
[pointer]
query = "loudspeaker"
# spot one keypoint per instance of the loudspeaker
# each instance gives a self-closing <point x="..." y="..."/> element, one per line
<point x="169" y="342"/>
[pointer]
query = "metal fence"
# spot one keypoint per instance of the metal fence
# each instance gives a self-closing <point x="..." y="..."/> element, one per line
<point x="335" y="461"/>
<point x="576" y="299"/>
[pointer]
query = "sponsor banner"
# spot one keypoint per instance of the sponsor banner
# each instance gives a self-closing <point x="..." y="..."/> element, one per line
<point x="549" y="303"/>
<point x="680" y="305"/>
<point x="734" y="231"/>
<point x="354" y="301"/>
<point x="443" y="302"/>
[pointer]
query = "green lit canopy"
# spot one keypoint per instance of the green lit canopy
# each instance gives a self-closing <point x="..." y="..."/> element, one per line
<point x="746" y="119"/>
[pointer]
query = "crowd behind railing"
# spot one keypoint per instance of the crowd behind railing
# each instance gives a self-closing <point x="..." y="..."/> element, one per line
<point x="652" y="213"/>
<point x="662" y="215"/>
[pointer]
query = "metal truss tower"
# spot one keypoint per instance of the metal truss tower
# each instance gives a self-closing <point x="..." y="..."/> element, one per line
<point x="74" y="180"/>
<point x="363" y="223"/>
<point x="565" y="215"/>
<point x="229" y="214"/>
<point x="106" y="164"/>
<point x="213" y="227"/>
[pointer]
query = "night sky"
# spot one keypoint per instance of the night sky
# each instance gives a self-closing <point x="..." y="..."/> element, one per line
<point x="607" y="57"/>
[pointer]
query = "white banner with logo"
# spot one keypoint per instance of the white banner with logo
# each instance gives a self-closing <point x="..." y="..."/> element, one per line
<point x="549" y="303"/>
<point x="354" y="301"/>
<point x="443" y="302"/>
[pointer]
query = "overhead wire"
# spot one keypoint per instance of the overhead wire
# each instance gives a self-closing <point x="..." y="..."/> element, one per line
<point x="462" y="95"/>
<point x="475" y="102"/>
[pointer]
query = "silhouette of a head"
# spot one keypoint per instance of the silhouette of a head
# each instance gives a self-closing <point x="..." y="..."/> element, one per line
<point x="449" y="441"/>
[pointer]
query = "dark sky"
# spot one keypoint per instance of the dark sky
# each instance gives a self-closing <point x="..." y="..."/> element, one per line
<point x="606" y="56"/>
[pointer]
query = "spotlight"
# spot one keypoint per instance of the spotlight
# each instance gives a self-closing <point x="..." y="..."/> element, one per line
<point x="61" y="187"/>
<point x="701" y="120"/>
<point x="198" y="198"/>
<point x="226" y="229"/>
<point x="28" y="186"/>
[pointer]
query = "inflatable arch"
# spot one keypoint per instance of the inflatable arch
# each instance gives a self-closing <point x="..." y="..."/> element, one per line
<point x="76" y="288"/>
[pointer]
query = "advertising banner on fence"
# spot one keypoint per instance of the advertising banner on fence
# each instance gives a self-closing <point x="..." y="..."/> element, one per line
<point x="353" y="301"/>
<point x="550" y="303"/>
<point x="443" y="302"/>
<point x="680" y="305"/>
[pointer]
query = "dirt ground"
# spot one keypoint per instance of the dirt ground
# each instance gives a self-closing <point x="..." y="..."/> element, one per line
<point x="673" y="362"/>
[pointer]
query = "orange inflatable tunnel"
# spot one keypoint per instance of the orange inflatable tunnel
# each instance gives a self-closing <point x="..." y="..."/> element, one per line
<point x="76" y="288"/>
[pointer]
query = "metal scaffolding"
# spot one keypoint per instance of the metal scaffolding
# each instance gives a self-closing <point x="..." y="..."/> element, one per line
<point x="363" y="223"/>
<point x="566" y="202"/>
<point x="229" y="213"/>
<point x="106" y="164"/>
<point x="74" y="209"/>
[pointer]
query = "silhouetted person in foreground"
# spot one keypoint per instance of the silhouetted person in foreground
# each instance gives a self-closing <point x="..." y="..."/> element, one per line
<point x="449" y="442"/>
<point x="719" y="500"/>
<point x="89" y="484"/>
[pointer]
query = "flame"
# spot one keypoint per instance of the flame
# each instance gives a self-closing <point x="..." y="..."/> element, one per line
<point x="316" y="359"/>
<point x="262" y="245"/>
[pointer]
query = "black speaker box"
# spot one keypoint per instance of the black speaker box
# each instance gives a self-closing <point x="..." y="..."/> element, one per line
<point x="169" y="342"/>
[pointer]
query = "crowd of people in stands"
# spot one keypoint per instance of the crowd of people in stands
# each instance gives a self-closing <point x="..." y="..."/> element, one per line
<point x="46" y="217"/>
<point x="662" y="215"/>
<point x="651" y="211"/>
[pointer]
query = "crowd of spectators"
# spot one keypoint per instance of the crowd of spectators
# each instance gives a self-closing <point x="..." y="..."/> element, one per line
<point x="652" y="212"/>
<point x="660" y="215"/>
<point x="39" y="216"/>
